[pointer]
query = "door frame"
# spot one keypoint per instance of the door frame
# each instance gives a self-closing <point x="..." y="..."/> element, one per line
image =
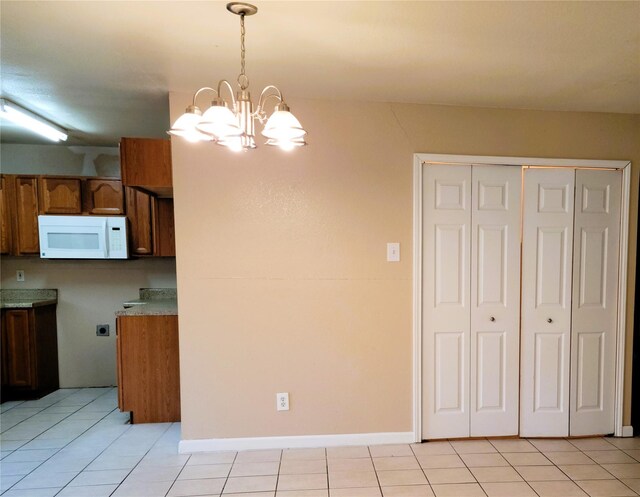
<point x="419" y="160"/>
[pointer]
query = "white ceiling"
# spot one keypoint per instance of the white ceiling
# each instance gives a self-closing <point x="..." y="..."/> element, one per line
<point x="104" y="69"/>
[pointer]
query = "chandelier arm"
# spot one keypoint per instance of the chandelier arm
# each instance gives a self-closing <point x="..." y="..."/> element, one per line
<point x="233" y="98"/>
<point x="263" y="99"/>
<point x="204" y="88"/>
<point x="260" y="114"/>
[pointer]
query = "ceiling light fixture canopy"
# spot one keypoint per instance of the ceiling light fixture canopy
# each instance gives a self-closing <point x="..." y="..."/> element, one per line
<point x="27" y="119"/>
<point x="231" y="123"/>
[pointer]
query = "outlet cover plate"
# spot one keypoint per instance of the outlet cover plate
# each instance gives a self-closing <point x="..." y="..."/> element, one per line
<point x="282" y="401"/>
<point x="102" y="330"/>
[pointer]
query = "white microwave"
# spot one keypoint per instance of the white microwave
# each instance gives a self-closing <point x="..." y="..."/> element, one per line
<point x="83" y="237"/>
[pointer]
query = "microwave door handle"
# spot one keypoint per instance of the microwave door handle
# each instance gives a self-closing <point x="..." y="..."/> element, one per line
<point x="106" y="239"/>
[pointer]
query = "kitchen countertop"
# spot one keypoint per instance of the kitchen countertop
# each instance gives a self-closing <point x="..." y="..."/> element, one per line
<point x="166" y="307"/>
<point x="152" y="302"/>
<point x="27" y="298"/>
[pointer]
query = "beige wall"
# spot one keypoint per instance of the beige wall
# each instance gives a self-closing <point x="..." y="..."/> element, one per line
<point x="281" y="259"/>
<point x="89" y="293"/>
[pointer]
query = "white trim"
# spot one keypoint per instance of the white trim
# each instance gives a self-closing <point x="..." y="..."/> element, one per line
<point x="622" y="300"/>
<point x="627" y="431"/>
<point x="520" y="161"/>
<point x="294" y="442"/>
<point x="417" y="299"/>
<point x="419" y="160"/>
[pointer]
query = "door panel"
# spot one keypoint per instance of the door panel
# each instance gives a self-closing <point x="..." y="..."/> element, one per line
<point x="549" y="366"/>
<point x="595" y="301"/>
<point x="495" y="302"/>
<point x="491" y="371"/>
<point x="450" y="265"/>
<point x="552" y="263"/>
<point x="19" y="353"/>
<point x="547" y="249"/>
<point x="449" y="372"/>
<point x="26" y="216"/>
<point x="446" y="301"/>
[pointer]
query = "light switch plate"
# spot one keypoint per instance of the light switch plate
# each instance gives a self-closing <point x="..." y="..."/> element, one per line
<point x="393" y="252"/>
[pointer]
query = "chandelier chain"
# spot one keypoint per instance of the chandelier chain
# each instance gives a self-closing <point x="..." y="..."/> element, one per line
<point x="243" y="80"/>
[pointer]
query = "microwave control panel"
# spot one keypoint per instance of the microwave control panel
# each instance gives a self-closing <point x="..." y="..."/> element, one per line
<point x="117" y="237"/>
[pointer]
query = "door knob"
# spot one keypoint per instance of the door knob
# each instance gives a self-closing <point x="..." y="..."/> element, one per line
<point x="492" y="319"/>
<point x="549" y="320"/>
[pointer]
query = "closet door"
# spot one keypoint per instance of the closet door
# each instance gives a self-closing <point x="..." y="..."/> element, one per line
<point x="595" y="300"/>
<point x="495" y="300"/>
<point x="546" y="301"/>
<point x="446" y="301"/>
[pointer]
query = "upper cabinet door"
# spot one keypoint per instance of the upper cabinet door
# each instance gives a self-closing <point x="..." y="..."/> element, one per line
<point x="547" y="250"/>
<point x="26" y="215"/>
<point x="165" y="239"/>
<point x="495" y="300"/>
<point x="446" y="301"/>
<point x="5" y="215"/>
<point x="146" y="163"/>
<point x="60" y="195"/>
<point x="103" y="197"/>
<point x="140" y="213"/>
<point x="595" y="301"/>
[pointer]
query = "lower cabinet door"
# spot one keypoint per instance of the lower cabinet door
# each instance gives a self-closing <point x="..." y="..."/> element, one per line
<point x="18" y="345"/>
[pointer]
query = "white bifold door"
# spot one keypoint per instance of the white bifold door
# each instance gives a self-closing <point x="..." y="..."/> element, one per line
<point x="471" y="300"/>
<point x="571" y="223"/>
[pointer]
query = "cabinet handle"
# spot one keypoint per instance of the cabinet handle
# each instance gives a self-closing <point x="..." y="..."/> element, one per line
<point x="492" y="319"/>
<point x="549" y="320"/>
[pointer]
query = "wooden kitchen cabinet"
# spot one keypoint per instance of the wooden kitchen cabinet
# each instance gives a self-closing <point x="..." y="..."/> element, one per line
<point x="145" y="163"/>
<point x="29" y="352"/>
<point x="151" y="224"/>
<point x="5" y="215"/>
<point x="22" y="198"/>
<point x="148" y="367"/>
<point x="103" y="197"/>
<point x="25" y="225"/>
<point x="164" y="228"/>
<point x="60" y="195"/>
<point x="140" y="207"/>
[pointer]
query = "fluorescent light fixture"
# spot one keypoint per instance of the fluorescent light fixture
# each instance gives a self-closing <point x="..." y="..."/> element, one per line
<point x="31" y="121"/>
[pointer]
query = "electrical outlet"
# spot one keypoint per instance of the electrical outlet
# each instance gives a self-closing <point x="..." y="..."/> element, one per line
<point x="102" y="330"/>
<point x="282" y="401"/>
<point x="20" y="275"/>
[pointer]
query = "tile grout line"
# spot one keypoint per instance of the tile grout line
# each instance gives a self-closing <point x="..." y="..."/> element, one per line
<point x="375" y="471"/>
<point x="469" y="469"/>
<point x="275" y="491"/>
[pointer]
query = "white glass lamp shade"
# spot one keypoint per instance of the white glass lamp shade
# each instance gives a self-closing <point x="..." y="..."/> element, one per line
<point x="282" y="125"/>
<point x="185" y="126"/>
<point x="287" y="145"/>
<point x="219" y="121"/>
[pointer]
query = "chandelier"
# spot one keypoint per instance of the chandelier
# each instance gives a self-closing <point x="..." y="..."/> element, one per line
<point x="232" y="123"/>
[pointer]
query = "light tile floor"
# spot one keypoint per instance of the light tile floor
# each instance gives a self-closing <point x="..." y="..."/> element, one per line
<point x="75" y="443"/>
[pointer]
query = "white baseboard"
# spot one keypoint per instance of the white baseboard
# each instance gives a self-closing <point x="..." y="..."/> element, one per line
<point x="627" y="431"/>
<point x="294" y="442"/>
